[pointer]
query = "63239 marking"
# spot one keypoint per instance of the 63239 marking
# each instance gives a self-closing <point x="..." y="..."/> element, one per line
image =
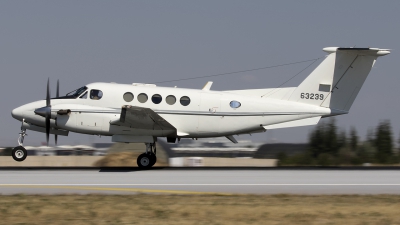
<point x="312" y="96"/>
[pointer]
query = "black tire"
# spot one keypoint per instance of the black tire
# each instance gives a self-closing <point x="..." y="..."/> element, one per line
<point x="144" y="161"/>
<point x="153" y="159"/>
<point x="19" y="153"/>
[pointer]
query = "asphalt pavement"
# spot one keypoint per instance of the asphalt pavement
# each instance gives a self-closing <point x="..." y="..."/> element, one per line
<point x="199" y="181"/>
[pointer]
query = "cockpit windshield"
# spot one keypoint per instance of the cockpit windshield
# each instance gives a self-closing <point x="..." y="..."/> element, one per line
<point x="75" y="93"/>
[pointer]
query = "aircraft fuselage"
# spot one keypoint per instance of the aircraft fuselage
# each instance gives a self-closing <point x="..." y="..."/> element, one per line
<point x="208" y="114"/>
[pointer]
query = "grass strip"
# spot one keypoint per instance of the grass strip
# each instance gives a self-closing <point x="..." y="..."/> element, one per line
<point x="199" y="209"/>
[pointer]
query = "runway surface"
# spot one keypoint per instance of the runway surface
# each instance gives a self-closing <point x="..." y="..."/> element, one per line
<point x="200" y="181"/>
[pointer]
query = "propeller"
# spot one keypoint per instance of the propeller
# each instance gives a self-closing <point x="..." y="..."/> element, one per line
<point x="57" y="95"/>
<point x="46" y="111"/>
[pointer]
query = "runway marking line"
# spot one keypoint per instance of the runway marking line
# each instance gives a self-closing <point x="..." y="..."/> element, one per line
<point x="4" y="185"/>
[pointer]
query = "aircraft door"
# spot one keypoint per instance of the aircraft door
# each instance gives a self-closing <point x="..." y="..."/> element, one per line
<point x="209" y="118"/>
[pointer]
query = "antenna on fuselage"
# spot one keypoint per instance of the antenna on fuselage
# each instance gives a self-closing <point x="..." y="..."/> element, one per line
<point x="208" y="85"/>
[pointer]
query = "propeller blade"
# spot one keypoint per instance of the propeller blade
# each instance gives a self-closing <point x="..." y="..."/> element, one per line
<point x="48" y="93"/>
<point x="58" y="89"/>
<point x="47" y="128"/>
<point x="56" y="136"/>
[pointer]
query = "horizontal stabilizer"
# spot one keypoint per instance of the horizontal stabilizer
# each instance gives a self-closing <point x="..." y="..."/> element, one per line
<point x="296" y="123"/>
<point x="359" y="51"/>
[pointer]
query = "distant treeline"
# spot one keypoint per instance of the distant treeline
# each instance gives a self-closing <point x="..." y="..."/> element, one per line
<point x="328" y="146"/>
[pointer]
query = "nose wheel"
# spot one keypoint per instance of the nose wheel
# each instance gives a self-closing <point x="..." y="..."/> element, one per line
<point x="149" y="158"/>
<point x="19" y="153"/>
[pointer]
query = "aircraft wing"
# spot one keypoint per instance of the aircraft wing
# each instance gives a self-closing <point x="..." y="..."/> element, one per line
<point x="141" y="118"/>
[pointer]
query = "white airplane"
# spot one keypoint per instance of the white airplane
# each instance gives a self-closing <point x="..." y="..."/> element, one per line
<point x="141" y="113"/>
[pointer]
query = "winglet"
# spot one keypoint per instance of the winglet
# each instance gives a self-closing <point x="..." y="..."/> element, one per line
<point x="231" y="138"/>
<point x="207" y="86"/>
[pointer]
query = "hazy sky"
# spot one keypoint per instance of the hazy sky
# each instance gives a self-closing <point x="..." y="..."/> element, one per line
<point x="80" y="42"/>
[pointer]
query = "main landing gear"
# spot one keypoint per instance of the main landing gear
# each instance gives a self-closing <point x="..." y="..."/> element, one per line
<point x="19" y="153"/>
<point x="148" y="159"/>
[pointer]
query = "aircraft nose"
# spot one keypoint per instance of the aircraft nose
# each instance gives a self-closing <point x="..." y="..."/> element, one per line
<point x="17" y="113"/>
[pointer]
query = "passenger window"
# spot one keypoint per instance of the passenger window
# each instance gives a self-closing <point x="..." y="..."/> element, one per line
<point x="156" y="99"/>
<point x="128" y="97"/>
<point x="142" y="98"/>
<point x="84" y="96"/>
<point x="170" y="99"/>
<point x="235" y="104"/>
<point x="96" y="94"/>
<point x="185" y="100"/>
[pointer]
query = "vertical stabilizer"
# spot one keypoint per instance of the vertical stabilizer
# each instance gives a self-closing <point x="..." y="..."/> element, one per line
<point x="336" y="82"/>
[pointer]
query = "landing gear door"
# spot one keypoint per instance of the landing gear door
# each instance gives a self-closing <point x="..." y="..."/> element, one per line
<point x="210" y="113"/>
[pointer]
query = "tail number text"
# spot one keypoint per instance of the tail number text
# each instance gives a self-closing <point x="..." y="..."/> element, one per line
<point x="312" y="96"/>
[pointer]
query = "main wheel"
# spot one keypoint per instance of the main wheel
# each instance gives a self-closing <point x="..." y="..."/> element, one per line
<point x="145" y="160"/>
<point x="19" y="153"/>
<point x="153" y="159"/>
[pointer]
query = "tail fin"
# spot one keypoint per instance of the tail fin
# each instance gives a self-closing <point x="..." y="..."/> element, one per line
<point x="336" y="82"/>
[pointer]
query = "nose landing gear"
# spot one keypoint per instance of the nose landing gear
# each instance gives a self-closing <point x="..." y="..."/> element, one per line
<point x="19" y="153"/>
<point x="149" y="158"/>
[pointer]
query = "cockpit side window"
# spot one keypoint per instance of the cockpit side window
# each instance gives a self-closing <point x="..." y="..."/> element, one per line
<point x="96" y="94"/>
<point x="84" y="96"/>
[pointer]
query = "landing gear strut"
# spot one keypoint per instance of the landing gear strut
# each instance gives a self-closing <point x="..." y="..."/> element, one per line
<point x="19" y="153"/>
<point x="148" y="159"/>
